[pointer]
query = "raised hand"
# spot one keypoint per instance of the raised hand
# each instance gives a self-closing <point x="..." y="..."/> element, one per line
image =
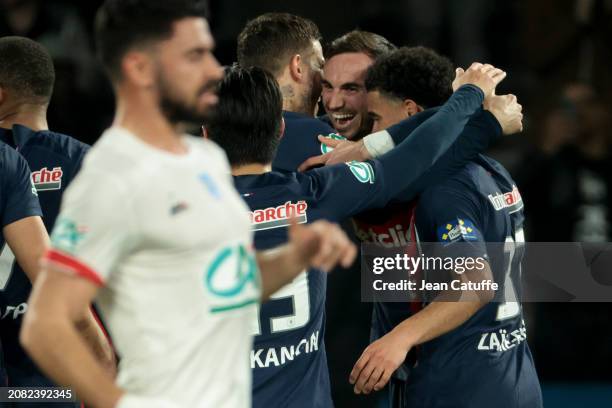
<point x="507" y="111"/>
<point x="484" y="76"/>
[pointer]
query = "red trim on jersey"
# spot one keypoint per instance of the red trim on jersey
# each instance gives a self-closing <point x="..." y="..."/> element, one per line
<point x="65" y="260"/>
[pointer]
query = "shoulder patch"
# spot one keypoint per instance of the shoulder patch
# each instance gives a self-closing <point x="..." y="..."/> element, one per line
<point x="460" y="229"/>
<point x="363" y="171"/>
<point x="335" y="136"/>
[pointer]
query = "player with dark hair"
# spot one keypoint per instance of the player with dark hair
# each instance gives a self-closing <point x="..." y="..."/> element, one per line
<point x="289" y="47"/>
<point x="484" y="373"/>
<point x="347" y="59"/>
<point x="428" y="82"/>
<point x="26" y="84"/>
<point x="288" y="356"/>
<point x="153" y="230"/>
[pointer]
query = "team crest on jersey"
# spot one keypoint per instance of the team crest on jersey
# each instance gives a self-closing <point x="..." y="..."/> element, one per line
<point x="335" y="136"/>
<point x="276" y="217"/>
<point x="511" y="200"/>
<point x="362" y="171"/>
<point x="457" y="230"/>
<point x="45" y="179"/>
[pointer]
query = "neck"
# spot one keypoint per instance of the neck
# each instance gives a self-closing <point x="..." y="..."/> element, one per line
<point x="31" y="116"/>
<point x="140" y="114"/>
<point x="293" y="101"/>
<point x="253" y="168"/>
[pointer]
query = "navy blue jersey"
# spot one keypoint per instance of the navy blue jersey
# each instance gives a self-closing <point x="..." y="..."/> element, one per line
<point x="299" y="141"/>
<point x="54" y="160"/>
<point x="18" y="200"/>
<point x="486" y="361"/>
<point x="288" y="356"/>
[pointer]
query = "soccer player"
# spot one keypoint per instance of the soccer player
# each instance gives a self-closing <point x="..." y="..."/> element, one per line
<point x="22" y="227"/>
<point x="288" y="358"/>
<point x="344" y="95"/>
<point x="289" y="47"/>
<point x="26" y="84"/>
<point x="153" y="229"/>
<point x="461" y="361"/>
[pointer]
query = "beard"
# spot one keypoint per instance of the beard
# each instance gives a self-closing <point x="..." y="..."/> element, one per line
<point x="180" y="110"/>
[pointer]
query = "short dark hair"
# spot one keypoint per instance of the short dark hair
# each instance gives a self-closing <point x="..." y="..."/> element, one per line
<point x="26" y="68"/>
<point x="416" y="73"/>
<point x="373" y="45"/>
<point x="269" y="40"/>
<point x="246" y="122"/>
<point x="123" y="24"/>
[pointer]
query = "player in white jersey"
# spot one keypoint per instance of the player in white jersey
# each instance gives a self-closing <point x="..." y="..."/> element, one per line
<point x="153" y="230"/>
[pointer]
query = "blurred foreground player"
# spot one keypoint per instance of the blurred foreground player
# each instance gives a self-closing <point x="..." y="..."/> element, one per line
<point x="289" y="361"/>
<point x="463" y="359"/>
<point x="23" y="231"/>
<point x="152" y="224"/>
<point x="26" y="84"/>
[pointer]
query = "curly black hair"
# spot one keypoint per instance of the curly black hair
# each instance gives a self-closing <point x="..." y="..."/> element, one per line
<point x="416" y="73"/>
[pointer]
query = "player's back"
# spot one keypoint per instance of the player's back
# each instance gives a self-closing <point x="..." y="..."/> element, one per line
<point x="299" y="141"/>
<point x="485" y="361"/>
<point x="288" y="358"/>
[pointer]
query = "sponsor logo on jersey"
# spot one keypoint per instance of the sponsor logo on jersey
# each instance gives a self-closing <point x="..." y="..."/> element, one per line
<point x="457" y="230"/>
<point x="388" y="236"/>
<point x="362" y="171"/>
<point x="232" y="279"/>
<point x="45" y="179"/>
<point x="511" y="200"/>
<point x="335" y="136"/>
<point x="13" y="312"/>
<point x="278" y="356"/>
<point x="67" y="234"/>
<point x="502" y="340"/>
<point x="276" y="217"/>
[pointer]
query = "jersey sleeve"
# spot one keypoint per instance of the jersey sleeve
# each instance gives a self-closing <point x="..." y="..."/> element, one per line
<point x="20" y="199"/>
<point x="95" y="227"/>
<point x="346" y="189"/>
<point x="453" y="217"/>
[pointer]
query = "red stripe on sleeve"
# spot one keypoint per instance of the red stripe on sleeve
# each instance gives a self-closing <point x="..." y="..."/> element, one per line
<point x="67" y="261"/>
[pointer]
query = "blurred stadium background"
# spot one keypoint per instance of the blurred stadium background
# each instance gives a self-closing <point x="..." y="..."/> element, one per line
<point x="558" y="55"/>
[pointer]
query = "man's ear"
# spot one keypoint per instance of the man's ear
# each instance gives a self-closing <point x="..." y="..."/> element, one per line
<point x="295" y="68"/>
<point x="282" y="128"/>
<point x="204" y="132"/>
<point x="139" y="68"/>
<point x="411" y="107"/>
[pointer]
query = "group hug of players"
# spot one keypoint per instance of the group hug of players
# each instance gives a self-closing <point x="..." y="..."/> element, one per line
<point x="410" y="160"/>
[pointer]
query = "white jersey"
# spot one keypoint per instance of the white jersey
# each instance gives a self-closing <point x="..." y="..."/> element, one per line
<point x="168" y="239"/>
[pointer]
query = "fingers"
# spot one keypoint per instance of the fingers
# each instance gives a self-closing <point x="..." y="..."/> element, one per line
<point x="334" y="247"/>
<point x="315" y="161"/>
<point x="328" y="141"/>
<point x="377" y="373"/>
<point x="384" y="379"/>
<point x="359" y="366"/>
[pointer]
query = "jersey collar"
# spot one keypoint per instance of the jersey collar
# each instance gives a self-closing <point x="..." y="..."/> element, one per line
<point x="18" y="136"/>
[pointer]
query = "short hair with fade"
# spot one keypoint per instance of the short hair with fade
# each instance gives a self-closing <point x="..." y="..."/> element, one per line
<point x="26" y="68"/>
<point x="416" y="73"/>
<point x="246" y="122"/>
<point x="122" y="25"/>
<point x="373" y="45"/>
<point x="270" y="40"/>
